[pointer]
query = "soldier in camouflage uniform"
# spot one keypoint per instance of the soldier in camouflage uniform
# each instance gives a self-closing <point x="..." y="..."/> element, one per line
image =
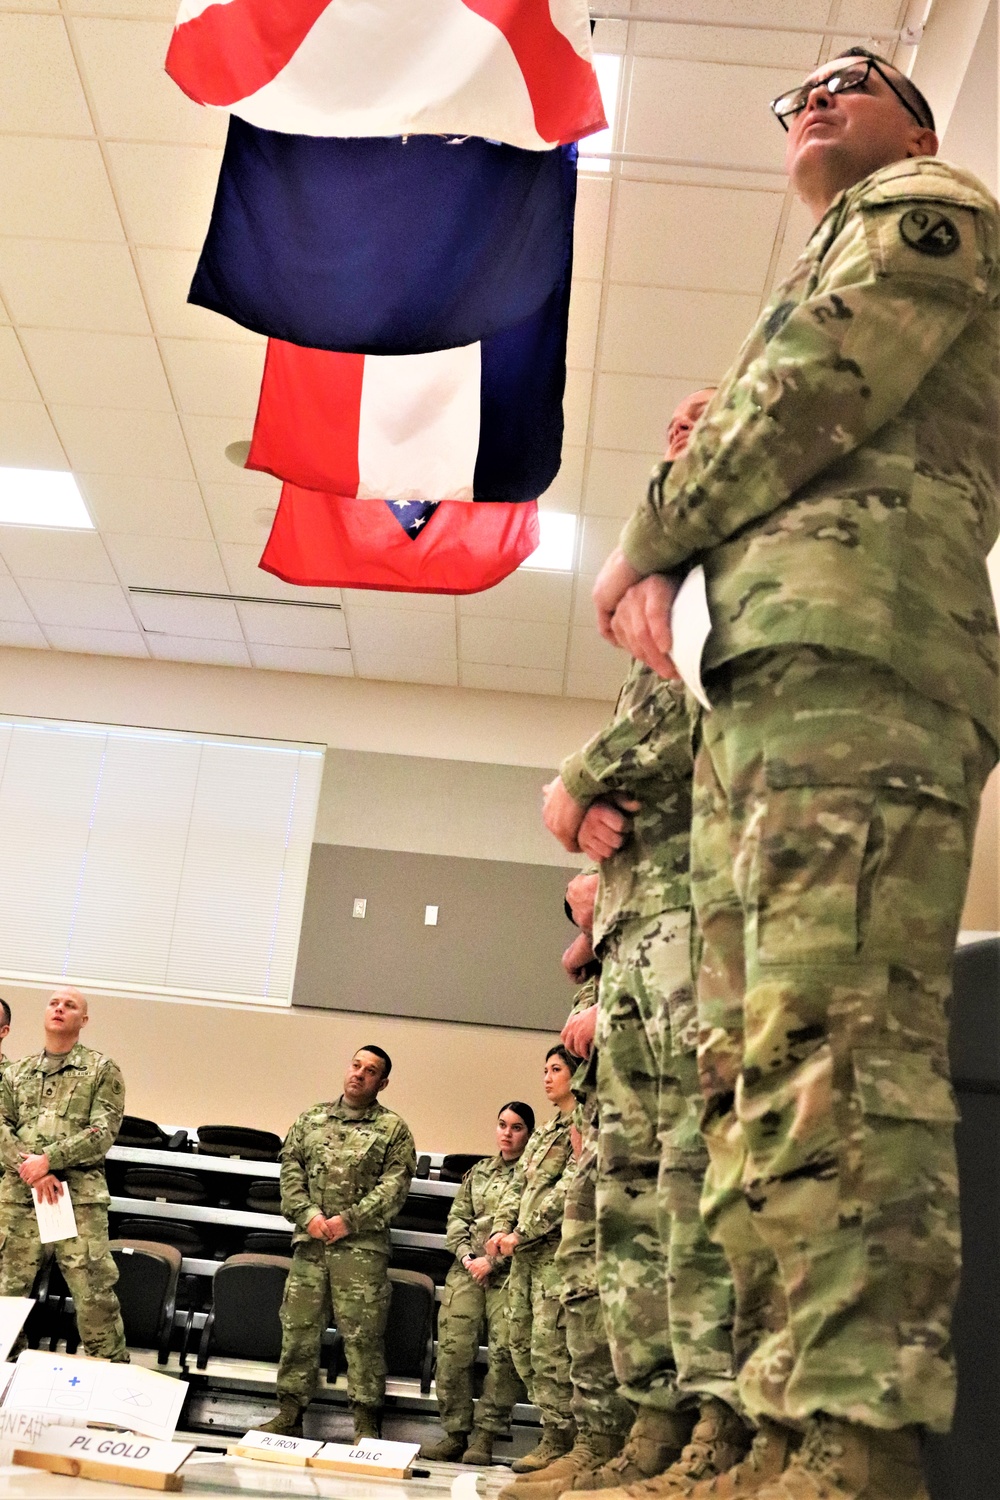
<point x="842" y="491"/>
<point x="60" y="1111"/>
<point x="526" y="1227"/>
<point x="475" y="1292"/>
<point x="5" y="1062"/>
<point x="346" y="1169"/>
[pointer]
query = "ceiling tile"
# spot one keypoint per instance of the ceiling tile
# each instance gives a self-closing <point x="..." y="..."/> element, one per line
<point x="135" y="99"/>
<point x="597" y="668"/>
<point x="163" y="10"/>
<point x="714" y="239"/>
<point x="96" y="606"/>
<point x="591" y="685"/>
<point x="241" y="512"/>
<point x="28" y="439"/>
<point x="576" y="406"/>
<point x="39" y="85"/>
<point x="71" y="284"/>
<point x="633" y="412"/>
<point x="77" y="368"/>
<point x="583" y="604"/>
<point x="616" y="482"/>
<point x="166" y="276"/>
<point x="186" y="564"/>
<point x="212" y="378"/>
<point x="208" y="438"/>
<point x="145" y="507"/>
<point x="31" y="552"/>
<point x="600" y="536"/>
<point x="186" y="648"/>
<point x="16" y="380"/>
<point x="687" y="335"/>
<point x="293" y="659"/>
<point x="707" y="112"/>
<point x="384" y="666"/>
<point x="163" y="614"/>
<point x="56" y="190"/>
<point x="797" y="231"/>
<point x="288" y="625"/>
<point x="241" y="563"/>
<point x="565" y="491"/>
<point x="525" y="595"/>
<point x="584" y="313"/>
<point x="96" y="642"/>
<point x="13" y="605"/>
<point x="395" y="633"/>
<point x="513" y="643"/>
<point x="510" y="679"/>
<point x="166" y="192"/>
<point x="140" y="444"/>
<point x="766" y="47"/>
<point x="424" y="604"/>
<point x="14" y="633"/>
<point x="590" y="228"/>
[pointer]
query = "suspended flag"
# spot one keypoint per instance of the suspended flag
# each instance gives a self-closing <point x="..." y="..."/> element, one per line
<point x="332" y="541"/>
<point x="384" y="246"/>
<point x="518" y="71"/>
<point x="481" y="422"/>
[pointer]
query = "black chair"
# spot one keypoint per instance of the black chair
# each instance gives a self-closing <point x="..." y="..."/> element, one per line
<point x="50" y="1320"/>
<point x="264" y="1197"/>
<point x="238" y="1141"/>
<point x="409" y="1332"/>
<point x="246" y="1298"/>
<point x="455" y="1166"/>
<point x="428" y="1262"/>
<point x="267" y="1242"/>
<point x="148" y="1135"/>
<point x="425" y="1215"/>
<point x="165" y="1185"/>
<point x="148" y="1273"/>
<point x="423" y="1167"/>
<point x="183" y="1237"/>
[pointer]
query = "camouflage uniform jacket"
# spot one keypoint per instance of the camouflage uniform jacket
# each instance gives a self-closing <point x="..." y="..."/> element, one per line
<point x="842" y="487"/>
<point x="360" y="1167"/>
<point x="645" y="753"/>
<point x="72" y="1114"/>
<point x="533" y="1200"/>
<point x="470" y="1222"/>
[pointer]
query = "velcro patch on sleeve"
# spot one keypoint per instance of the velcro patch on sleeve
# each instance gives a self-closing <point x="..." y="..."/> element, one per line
<point x="927" y="240"/>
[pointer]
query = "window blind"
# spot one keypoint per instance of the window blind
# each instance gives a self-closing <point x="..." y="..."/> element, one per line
<point x="153" y="859"/>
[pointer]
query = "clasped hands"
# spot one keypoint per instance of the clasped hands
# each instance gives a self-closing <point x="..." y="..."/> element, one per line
<point x="331" y="1230"/>
<point x="503" y="1244"/>
<point x="479" y="1267"/>
<point x="34" y="1171"/>
<point x="634" y="612"/>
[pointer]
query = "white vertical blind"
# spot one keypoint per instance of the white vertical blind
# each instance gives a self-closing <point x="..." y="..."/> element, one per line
<point x="152" y="859"/>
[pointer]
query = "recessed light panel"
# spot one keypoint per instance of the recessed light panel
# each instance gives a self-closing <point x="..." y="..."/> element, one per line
<point x="556" y="551"/>
<point x="42" y="497"/>
<point x="607" y="66"/>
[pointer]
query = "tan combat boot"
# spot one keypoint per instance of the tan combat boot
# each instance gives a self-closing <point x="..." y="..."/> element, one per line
<point x="656" y="1440"/>
<point x="840" y="1461"/>
<point x="719" y="1440"/>
<point x="588" y="1453"/>
<point x="448" y="1451"/>
<point x="480" y="1449"/>
<point x="555" y="1442"/>
<point x="771" y="1451"/>
<point x="367" y="1422"/>
<point x="288" y="1422"/>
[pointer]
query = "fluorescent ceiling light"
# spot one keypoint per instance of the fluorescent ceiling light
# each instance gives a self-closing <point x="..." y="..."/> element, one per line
<point x="557" y="549"/>
<point x="42" y="497"/>
<point x="607" y="66"/>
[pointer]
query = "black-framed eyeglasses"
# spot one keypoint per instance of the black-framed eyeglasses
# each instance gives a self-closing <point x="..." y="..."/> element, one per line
<point x="853" y="75"/>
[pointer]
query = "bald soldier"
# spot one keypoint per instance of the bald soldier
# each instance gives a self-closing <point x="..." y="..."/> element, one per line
<point x="842" y="493"/>
<point x="60" y="1111"/>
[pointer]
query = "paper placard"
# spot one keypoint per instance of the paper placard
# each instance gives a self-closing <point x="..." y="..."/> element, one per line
<point x="691" y="625"/>
<point x="120" y="1458"/>
<point x="19" y="1429"/>
<point x="56" y="1221"/>
<point x="273" y="1448"/>
<point x="369" y="1456"/>
<point x="13" y="1311"/>
<point x="70" y="1389"/>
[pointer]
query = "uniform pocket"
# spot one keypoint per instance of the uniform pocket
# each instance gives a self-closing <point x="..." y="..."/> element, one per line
<point x="909" y="1182"/>
<point x="903" y="1086"/>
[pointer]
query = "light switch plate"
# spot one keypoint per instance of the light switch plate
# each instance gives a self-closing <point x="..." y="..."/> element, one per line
<point x="430" y="916"/>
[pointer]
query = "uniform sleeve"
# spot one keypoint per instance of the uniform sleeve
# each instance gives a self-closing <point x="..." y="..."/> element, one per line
<point x="10" y="1152"/>
<point x="547" y="1213"/>
<point x="648" y="732"/>
<point x="377" y="1209"/>
<point x="835" y="367"/>
<point x="296" y="1203"/>
<point x="505" y="1216"/>
<point x="458" y="1230"/>
<point x="89" y="1146"/>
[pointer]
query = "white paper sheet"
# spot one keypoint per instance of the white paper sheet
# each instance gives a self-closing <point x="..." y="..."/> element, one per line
<point x="691" y="625"/>
<point x="56" y="1221"/>
<point x="72" y="1390"/>
<point x="13" y="1311"/>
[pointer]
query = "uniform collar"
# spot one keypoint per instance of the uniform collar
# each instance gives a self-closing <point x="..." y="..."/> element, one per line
<point x="74" y="1058"/>
<point x="343" y="1111"/>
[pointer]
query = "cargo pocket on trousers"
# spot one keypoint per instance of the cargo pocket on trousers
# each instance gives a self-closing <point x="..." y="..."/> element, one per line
<point x="908" y="1116"/>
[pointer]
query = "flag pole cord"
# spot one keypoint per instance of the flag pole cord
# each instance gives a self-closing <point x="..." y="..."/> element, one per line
<point x="908" y="35"/>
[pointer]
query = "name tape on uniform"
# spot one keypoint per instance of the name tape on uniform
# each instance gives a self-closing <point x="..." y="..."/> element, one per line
<point x="275" y="1449"/>
<point x="119" y="1458"/>
<point x="369" y="1456"/>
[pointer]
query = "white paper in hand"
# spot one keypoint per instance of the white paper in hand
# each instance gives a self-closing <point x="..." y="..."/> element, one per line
<point x="56" y="1221"/>
<point x="691" y="625"/>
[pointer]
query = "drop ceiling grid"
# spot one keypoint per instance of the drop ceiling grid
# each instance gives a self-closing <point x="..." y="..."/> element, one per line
<point x="139" y="223"/>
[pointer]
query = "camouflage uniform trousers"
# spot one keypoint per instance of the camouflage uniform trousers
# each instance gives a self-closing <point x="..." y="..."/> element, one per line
<point x="596" y="1405"/>
<point x="355" y="1285"/>
<point x="536" y="1332"/>
<point x="85" y="1261"/>
<point x="465" y="1306"/>
<point x="834" y="817"/>
<point x="665" y="1287"/>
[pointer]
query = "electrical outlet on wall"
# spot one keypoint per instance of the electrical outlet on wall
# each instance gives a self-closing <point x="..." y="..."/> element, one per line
<point x="430" y="916"/>
<point x="360" y="906"/>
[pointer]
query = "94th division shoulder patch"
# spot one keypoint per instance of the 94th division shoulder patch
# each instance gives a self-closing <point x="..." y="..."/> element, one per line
<point x="929" y="232"/>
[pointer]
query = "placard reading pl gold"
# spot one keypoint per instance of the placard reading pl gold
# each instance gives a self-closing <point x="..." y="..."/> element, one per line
<point x="118" y="1458"/>
<point x="369" y="1457"/>
<point x="275" y="1449"/>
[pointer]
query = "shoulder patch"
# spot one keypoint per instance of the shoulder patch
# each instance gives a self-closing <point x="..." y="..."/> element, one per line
<point x="929" y="232"/>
